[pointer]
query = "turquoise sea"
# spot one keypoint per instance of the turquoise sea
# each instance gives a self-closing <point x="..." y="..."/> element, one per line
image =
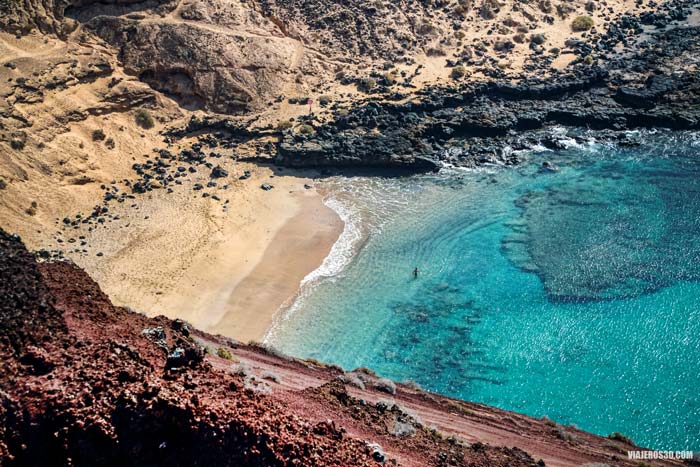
<point x="572" y="293"/>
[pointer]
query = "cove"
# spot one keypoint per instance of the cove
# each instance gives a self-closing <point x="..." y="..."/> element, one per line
<point x="570" y="293"/>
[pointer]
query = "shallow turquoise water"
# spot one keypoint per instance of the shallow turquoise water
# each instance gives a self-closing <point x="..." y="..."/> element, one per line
<point x="571" y="294"/>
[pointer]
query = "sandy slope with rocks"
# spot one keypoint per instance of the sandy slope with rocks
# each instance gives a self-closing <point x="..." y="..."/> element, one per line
<point x="168" y="253"/>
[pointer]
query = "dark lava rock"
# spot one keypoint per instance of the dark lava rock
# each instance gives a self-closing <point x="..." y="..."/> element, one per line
<point x="218" y="172"/>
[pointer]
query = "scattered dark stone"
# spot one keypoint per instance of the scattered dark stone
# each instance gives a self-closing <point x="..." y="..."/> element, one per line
<point x="218" y="172"/>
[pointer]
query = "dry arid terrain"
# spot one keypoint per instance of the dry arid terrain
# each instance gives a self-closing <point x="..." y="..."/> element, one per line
<point x="174" y="153"/>
<point x="92" y="91"/>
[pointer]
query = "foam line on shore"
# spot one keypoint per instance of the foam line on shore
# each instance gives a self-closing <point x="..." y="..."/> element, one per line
<point x="341" y="255"/>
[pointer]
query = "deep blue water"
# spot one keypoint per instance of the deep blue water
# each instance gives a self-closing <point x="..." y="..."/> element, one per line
<point x="572" y="294"/>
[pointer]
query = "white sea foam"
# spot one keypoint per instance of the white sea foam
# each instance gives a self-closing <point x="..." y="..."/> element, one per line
<point x="344" y="248"/>
<point x="340" y="256"/>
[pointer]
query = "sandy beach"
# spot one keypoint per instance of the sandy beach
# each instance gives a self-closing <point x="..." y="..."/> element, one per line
<point x="298" y="247"/>
<point x="226" y="271"/>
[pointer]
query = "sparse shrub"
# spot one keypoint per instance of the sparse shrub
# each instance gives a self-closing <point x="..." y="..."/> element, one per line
<point x="458" y="72"/>
<point x="564" y="10"/>
<point x="548" y="421"/>
<point x="324" y="100"/>
<point x="31" y="210"/>
<point x="538" y="38"/>
<point x="366" y="84"/>
<point x="401" y="429"/>
<point x="435" y="52"/>
<point x="459" y="35"/>
<point x="510" y="22"/>
<point x="242" y="370"/>
<point x="617" y="436"/>
<point x="364" y="371"/>
<point x="519" y="38"/>
<point x="463" y="7"/>
<point x="409" y="383"/>
<point x="588" y="60"/>
<point x="412" y="416"/>
<point x="437" y="434"/>
<point x="489" y="9"/>
<point x="98" y="135"/>
<point x="224" y="353"/>
<point x="284" y="125"/>
<point x="503" y="45"/>
<point x="144" y="119"/>
<point x="503" y="64"/>
<point x="255" y="385"/>
<point x="352" y="379"/>
<point x="390" y="77"/>
<point x="385" y="385"/>
<point x="306" y="130"/>
<point x="426" y="28"/>
<point x="109" y="142"/>
<point x="384" y="405"/>
<point x="317" y="364"/>
<point x="17" y="144"/>
<point x="3" y="184"/>
<point x="582" y="23"/>
<point x="565" y="435"/>
<point x="269" y="350"/>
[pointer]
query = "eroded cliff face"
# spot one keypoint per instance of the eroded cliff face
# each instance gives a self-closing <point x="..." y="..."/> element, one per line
<point x="200" y="66"/>
<point x="233" y="56"/>
<point x="48" y="16"/>
<point x="228" y="66"/>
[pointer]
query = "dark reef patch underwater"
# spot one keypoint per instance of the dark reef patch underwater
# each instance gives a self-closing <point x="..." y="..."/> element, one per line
<point x="567" y="289"/>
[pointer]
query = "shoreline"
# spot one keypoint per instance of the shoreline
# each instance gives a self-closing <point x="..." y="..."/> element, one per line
<point x="276" y="279"/>
<point x="224" y="271"/>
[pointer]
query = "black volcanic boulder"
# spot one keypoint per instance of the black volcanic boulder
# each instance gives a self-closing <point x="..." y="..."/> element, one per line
<point x="218" y="172"/>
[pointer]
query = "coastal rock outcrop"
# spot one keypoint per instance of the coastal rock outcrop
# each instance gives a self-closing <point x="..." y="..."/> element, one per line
<point x="358" y="149"/>
<point x="473" y="124"/>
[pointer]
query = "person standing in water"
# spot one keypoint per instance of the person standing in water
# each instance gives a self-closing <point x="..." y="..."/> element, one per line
<point x="415" y="272"/>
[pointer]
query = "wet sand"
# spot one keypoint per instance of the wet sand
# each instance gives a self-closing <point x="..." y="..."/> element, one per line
<point x="298" y="248"/>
